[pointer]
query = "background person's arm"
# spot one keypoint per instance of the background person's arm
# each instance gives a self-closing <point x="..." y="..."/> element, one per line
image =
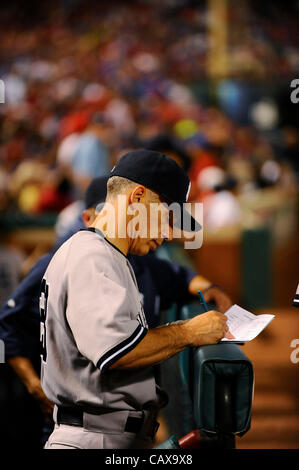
<point x="176" y="283"/>
<point x="25" y="370"/>
<point x="211" y="292"/>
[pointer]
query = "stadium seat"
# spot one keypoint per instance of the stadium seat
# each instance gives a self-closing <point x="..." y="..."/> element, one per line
<point x="223" y="389"/>
<point x="214" y="388"/>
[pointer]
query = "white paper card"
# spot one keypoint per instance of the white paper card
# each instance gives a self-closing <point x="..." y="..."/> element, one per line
<point x="243" y="325"/>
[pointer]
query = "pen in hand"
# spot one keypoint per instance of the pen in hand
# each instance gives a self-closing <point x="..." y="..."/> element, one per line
<point x="227" y="335"/>
<point x="202" y="301"/>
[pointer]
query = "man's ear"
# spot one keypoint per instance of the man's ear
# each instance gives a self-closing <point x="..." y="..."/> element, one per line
<point x="137" y="194"/>
<point x="88" y="216"/>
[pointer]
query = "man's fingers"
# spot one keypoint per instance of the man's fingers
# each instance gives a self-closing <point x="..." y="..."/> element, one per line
<point x="228" y="335"/>
<point x="220" y="315"/>
<point x="223" y="319"/>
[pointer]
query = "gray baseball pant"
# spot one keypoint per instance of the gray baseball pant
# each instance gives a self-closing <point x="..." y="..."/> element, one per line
<point x="105" y="431"/>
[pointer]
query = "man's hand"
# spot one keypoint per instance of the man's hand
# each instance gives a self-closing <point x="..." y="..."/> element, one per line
<point x="215" y="295"/>
<point x="45" y="404"/>
<point x="207" y="328"/>
<point x="211" y="294"/>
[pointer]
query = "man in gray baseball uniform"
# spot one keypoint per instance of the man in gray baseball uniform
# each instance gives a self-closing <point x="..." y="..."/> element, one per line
<point x="98" y="352"/>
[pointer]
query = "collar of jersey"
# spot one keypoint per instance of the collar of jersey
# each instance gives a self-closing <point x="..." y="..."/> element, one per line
<point x="96" y="230"/>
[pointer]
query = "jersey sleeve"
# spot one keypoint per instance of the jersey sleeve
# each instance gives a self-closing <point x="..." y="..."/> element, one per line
<point x="98" y="314"/>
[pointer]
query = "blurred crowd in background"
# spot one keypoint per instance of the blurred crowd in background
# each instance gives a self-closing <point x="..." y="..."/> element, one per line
<point x="86" y="81"/>
<point x="207" y="82"/>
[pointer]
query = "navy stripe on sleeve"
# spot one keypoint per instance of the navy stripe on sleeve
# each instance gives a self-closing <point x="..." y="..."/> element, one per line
<point x="121" y="349"/>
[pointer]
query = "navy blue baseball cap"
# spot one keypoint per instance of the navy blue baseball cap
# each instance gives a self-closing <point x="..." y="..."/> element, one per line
<point x="96" y="192"/>
<point x="161" y="174"/>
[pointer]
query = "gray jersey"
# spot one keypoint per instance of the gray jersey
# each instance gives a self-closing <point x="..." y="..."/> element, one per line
<point x="91" y="315"/>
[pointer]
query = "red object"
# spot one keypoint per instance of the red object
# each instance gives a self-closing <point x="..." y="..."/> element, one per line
<point x="191" y="440"/>
<point x="203" y="160"/>
<point x="73" y="122"/>
<point x="51" y="200"/>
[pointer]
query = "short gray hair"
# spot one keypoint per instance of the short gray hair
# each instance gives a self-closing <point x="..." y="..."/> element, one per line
<point x="119" y="185"/>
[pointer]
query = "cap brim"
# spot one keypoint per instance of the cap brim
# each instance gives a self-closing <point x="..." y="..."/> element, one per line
<point x="187" y="222"/>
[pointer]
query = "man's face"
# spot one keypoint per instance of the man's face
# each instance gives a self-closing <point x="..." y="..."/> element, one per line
<point x="152" y="225"/>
